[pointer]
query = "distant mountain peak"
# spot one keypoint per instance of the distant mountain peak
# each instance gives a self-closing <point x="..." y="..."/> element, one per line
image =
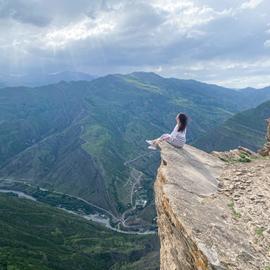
<point x="145" y="73"/>
<point x="39" y="79"/>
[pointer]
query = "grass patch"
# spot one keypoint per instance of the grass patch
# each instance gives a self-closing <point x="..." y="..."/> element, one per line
<point x="259" y="231"/>
<point x="235" y="214"/>
<point x="141" y="85"/>
<point x="96" y="138"/>
<point x="244" y="158"/>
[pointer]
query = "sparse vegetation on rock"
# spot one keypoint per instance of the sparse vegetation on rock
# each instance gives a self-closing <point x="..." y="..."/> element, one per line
<point x="265" y="151"/>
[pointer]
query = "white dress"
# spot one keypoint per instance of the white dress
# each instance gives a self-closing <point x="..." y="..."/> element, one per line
<point x="176" y="138"/>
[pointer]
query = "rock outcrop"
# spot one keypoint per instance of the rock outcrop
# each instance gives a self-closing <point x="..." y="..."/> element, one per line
<point x="212" y="214"/>
<point x="265" y="151"/>
<point x="240" y="154"/>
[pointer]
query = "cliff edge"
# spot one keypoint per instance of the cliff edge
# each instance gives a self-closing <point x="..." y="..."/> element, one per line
<point x="212" y="214"/>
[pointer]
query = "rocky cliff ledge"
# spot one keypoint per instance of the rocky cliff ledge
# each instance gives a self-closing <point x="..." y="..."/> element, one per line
<point x="212" y="214"/>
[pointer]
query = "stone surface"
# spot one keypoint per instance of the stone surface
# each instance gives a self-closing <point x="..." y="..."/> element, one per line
<point x="212" y="214"/>
<point x="265" y="151"/>
<point x="241" y="154"/>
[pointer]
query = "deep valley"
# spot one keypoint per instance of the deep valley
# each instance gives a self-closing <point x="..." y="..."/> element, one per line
<point x="80" y="146"/>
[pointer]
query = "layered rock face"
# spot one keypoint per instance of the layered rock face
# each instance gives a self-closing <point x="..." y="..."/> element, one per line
<point x="265" y="151"/>
<point x="212" y="214"/>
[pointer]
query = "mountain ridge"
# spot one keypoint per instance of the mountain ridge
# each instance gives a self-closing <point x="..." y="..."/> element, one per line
<point x="36" y="79"/>
<point x="71" y="136"/>
<point x="245" y="129"/>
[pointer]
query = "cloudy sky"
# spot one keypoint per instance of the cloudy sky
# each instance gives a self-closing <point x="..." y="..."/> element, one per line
<point x="218" y="41"/>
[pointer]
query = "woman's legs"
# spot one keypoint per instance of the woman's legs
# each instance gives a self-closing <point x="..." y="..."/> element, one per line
<point x="164" y="137"/>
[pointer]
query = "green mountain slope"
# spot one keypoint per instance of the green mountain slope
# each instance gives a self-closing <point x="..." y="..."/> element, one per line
<point x="78" y="137"/>
<point x="246" y="129"/>
<point x="36" y="236"/>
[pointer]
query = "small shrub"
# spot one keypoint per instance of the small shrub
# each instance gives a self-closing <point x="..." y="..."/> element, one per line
<point x="236" y="214"/>
<point x="244" y="158"/>
<point x="259" y="231"/>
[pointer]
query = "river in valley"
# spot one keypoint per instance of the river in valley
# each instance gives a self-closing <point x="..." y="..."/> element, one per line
<point x="97" y="218"/>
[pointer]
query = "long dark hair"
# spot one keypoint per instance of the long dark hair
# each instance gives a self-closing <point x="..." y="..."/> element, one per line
<point x="183" y="119"/>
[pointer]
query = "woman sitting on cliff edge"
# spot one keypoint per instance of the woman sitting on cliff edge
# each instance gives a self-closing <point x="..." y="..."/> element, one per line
<point x="178" y="136"/>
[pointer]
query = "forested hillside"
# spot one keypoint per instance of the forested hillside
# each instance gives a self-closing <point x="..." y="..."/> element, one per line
<point x="35" y="236"/>
<point x="246" y="129"/>
<point x="79" y="137"/>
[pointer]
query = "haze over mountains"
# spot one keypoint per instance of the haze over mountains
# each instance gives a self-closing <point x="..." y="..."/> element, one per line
<point x="38" y="78"/>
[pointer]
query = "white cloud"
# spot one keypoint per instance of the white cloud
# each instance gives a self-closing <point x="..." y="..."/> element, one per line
<point x="206" y="40"/>
<point x="243" y="81"/>
<point x="267" y="43"/>
<point x="251" y="4"/>
<point x="86" y="28"/>
<point x="185" y="14"/>
<point x="235" y="74"/>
